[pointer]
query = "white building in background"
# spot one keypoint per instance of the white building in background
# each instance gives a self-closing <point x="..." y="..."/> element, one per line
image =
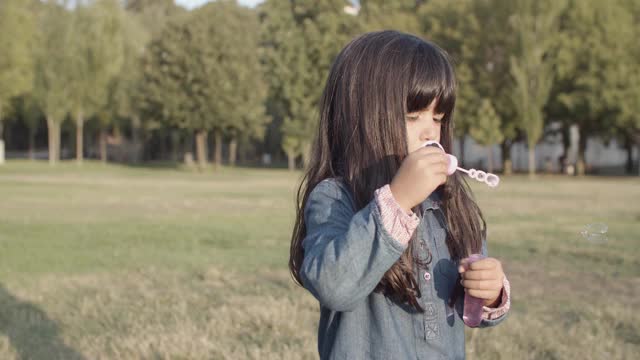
<point x="548" y="153"/>
<point x="352" y="10"/>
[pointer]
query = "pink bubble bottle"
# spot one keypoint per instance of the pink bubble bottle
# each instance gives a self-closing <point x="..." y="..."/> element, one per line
<point x="472" y="314"/>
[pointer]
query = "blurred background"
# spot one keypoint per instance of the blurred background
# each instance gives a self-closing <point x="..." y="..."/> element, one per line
<point x="150" y="151"/>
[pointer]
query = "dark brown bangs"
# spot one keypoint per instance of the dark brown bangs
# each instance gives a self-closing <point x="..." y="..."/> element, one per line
<point x="432" y="79"/>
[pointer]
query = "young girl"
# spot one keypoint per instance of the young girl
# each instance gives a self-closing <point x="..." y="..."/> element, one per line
<point x="382" y="232"/>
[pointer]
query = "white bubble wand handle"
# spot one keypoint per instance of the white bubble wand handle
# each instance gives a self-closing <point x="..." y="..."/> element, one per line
<point x="488" y="178"/>
<point x="492" y="180"/>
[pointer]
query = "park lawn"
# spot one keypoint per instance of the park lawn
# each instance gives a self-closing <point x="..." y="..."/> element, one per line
<point x="118" y="262"/>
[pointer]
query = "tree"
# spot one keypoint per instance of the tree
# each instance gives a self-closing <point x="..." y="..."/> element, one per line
<point x="53" y="71"/>
<point x="144" y="21"/>
<point x="449" y="25"/>
<point x="30" y="113"/>
<point x="228" y="37"/>
<point x="535" y="24"/>
<point x="167" y="94"/>
<point x="626" y="79"/>
<point x="384" y="15"/>
<point x="494" y="43"/>
<point x="17" y="36"/>
<point x="153" y="14"/>
<point x="476" y="35"/>
<point x="124" y="90"/>
<point x="486" y="130"/>
<point x="301" y="40"/>
<point x="98" y="47"/>
<point x="202" y="74"/>
<point x="286" y="60"/>
<point x="596" y="77"/>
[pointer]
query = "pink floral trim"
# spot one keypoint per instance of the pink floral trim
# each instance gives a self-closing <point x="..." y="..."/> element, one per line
<point x="494" y="313"/>
<point x="395" y="220"/>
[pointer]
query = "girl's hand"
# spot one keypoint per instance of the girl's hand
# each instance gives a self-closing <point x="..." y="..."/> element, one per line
<point x="483" y="279"/>
<point x="420" y="174"/>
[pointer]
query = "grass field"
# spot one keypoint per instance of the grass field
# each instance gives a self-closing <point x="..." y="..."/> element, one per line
<point x="115" y="262"/>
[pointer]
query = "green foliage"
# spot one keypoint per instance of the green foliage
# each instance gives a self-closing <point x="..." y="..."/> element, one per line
<point x="221" y="66"/>
<point x="384" y="15"/>
<point x="203" y="71"/>
<point x="301" y="40"/>
<point x="535" y="24"/>
<point x="474" y="35"/>
<point x="17" y="39"/>
<point x="597" y="85"/>
<point x="98" y="53"/>
<point x="486" y="130"/>
<point x="52" y="66"/>
<point x="27" y="108"/>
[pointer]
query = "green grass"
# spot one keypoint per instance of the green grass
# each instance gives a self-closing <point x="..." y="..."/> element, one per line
<point x="117" y="262"/>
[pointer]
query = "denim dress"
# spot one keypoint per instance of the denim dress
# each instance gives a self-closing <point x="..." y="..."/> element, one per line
<point x="346" y="254"/>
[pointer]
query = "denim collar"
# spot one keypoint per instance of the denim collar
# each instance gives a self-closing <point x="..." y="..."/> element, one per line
<point x="432" y="202"/>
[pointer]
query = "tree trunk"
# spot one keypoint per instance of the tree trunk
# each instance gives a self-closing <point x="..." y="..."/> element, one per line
<point x="532" y="160"/>
<point x="306" y="153"/>
<point x="1" y="140"/>
<point x="490" y="158"/>
<point x="175" y="145"/>
<point x="135" y="134"/>
<point x="292" y="160"/>
<point x="463" y="140"/>
<point x="636" y="141"/>
<point x="201" y="148"/>
<point x="56" y="140"/>
<point x="187" y="151"/>
<point x="566" y="144"/>
<point x="217" y="137"/>
<point x="32" y="136"/>
<point x="233" y="148"/>
<point x="79" y="138"/>
<point x="582" y="148"/>
<point x="51" y="134"/>
<point x="162" y="134"/>
<point x="629" y="147"/>
<point x="103" y="146"/>
<point x="507" y="164"/>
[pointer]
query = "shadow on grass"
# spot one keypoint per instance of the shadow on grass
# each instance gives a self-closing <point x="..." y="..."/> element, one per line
<point x="31" y="333"/>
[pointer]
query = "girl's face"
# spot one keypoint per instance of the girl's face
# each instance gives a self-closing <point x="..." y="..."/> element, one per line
<point x="423" y="126"/>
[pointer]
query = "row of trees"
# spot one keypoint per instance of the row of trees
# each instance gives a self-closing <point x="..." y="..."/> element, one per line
<point x="252" y="78"/>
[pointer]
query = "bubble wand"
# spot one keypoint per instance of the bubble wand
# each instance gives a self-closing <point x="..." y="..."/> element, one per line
<point x="492" y="180"/>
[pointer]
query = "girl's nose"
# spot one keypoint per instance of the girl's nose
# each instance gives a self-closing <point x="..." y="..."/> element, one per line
<point x="430" y="133"/>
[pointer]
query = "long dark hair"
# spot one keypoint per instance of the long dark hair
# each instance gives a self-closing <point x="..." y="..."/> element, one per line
<point x="374" y="82"/>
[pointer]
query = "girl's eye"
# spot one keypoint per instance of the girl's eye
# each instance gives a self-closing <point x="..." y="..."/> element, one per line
<point x="412" y="118"/>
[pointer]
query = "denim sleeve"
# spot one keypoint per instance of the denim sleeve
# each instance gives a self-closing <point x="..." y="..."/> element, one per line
<point x="346" y="252"/>
<point x="487" y="322"/>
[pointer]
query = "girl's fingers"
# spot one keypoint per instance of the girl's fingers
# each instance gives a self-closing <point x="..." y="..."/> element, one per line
<point x="484" y="264"/>
<point x="436" y="157"/>
<point x="439" y="163"/>
<point x="463" y="265"/>
<point x="429" y="150"/>
<point x="482" y="284"/>
<point x="481" y="275"/>
<point x="482" y="294"/>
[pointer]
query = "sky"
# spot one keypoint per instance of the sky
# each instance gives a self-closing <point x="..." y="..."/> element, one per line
<point x="190" y="4"/>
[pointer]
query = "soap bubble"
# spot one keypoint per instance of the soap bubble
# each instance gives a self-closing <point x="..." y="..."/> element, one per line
<point x="595" y="233"/>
